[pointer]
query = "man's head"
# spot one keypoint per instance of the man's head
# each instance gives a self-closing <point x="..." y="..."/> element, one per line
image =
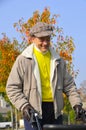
<point x="41" y="33"/>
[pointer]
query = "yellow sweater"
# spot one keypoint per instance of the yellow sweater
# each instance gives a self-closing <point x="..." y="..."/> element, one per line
<point x="43" y="60"/>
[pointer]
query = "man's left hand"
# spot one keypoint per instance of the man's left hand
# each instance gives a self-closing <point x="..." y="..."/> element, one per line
<point x="80" y="112"/>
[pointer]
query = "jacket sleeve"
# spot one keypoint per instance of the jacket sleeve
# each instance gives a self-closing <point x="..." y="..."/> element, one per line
<point x="70" y="88"/>
<point x="14" y="86"/>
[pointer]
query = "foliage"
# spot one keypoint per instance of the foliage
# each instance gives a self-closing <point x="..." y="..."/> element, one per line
<point x="68" y="112"/>
<point x="8" y="53"/>
<point x="1" y="117"/>
<point x="5" y="118"/>
<point x="72" y="116"/>
<point x="8" y="116"/>
<point x="24" y="27"/>
<point x="67" y="106"/>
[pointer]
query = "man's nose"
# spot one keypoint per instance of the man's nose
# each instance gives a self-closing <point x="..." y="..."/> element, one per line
<point x="45" y="42"/>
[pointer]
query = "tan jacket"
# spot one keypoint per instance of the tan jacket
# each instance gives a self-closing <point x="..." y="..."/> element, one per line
<point x="24" y="86"/>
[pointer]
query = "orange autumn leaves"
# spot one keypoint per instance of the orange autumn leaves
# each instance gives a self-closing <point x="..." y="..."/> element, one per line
<point x="8" y="54"/>
<point x="65" y="55"/>
<point x="66" y="48"/>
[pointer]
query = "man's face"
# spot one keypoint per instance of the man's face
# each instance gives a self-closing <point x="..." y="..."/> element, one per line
<point x="42" y="43"/>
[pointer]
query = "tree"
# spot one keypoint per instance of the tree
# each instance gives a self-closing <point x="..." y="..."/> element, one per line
<point x="8" y="53"/>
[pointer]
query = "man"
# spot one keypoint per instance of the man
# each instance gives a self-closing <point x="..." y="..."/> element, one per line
<point x="38" y="79"/>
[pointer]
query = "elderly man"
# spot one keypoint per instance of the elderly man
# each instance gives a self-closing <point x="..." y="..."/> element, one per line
<point x="38" y="79"/>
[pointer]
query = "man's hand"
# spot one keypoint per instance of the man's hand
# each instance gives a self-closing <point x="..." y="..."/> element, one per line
<point x="27" y="112"/>
<point x="80" y="112"/>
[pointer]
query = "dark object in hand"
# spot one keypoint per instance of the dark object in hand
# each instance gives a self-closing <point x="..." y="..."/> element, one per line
<point x="80" y="113"/>
<point x="32" y="116"/>
<point x="27" y="112"/>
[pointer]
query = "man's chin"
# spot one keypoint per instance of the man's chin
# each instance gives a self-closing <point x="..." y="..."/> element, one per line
<point x="44" y="50"/>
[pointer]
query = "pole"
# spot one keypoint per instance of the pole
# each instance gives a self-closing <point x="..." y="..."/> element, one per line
<point x="12" y="117"/>
<point x="16" y="119"/>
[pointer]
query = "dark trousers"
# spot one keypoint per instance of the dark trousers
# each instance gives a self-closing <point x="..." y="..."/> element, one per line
<point x="47" y="117"/>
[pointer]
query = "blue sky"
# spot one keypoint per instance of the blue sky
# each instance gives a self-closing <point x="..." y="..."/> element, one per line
<point x="72" y="19"/>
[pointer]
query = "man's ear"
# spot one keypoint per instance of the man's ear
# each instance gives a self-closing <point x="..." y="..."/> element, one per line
<point x="31" y="39"/>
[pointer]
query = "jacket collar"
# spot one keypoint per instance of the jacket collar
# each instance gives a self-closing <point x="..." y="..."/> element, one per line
<point x="28" y="52"/>
<point x="54" y="54"/>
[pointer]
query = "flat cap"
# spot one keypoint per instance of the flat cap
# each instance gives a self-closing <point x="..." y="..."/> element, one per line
<point x="41" y="29"/>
